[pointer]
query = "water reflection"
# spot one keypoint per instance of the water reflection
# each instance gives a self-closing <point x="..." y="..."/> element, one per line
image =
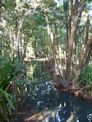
<point x="89" y="117"/>
<point x="59" y="107"/>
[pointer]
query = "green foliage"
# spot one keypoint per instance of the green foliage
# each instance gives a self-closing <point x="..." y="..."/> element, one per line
<point x="34" y="30"/>
<point x="10" y="70"/>
<point x="40" y="72"/>
<point x="9" y="4"/>
<point x="5" y="73"/>
<point x="86" y="74"/>
<point x="6" y="99"/>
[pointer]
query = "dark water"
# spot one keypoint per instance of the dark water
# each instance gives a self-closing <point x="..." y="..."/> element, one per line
<point x="81" y="110"/>
<point x="59" y="107"/>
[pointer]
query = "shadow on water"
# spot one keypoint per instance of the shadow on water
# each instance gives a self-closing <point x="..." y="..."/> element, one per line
<point x="54" y="106"/>
<point x="75" y="108"/>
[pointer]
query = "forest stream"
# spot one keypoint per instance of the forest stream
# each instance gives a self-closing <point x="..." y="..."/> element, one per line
<point x="46" y="104"/>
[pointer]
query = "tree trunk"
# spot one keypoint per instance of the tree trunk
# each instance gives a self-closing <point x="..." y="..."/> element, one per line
<point x="72" y="35"/>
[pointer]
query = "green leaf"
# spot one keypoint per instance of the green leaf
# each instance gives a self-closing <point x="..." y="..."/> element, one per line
<point x="8" y="97"/>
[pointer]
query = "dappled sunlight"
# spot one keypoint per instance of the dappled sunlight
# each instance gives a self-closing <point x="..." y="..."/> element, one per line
<point x="46" y="61"/>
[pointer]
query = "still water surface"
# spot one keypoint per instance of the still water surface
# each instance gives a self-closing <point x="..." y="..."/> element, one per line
<point x="59" y="107"/>
<point x="55" y="106"/>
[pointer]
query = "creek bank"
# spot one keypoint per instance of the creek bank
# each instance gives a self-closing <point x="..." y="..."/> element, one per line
<point x="75" y="91"/>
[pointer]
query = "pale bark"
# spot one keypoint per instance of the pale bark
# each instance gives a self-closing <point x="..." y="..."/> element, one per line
<point x="85" y="52"/>
<point x="74" y="23"/>
<point x="84" y="58"/>
<point x="58" y="77"/>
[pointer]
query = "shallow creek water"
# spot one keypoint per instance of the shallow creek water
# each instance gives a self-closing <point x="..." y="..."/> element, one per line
<point x="58" y="106"/>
